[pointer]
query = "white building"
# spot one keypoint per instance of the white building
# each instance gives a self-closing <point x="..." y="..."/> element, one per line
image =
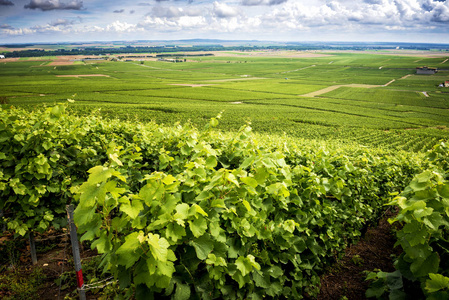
<point x="2" y="56"/>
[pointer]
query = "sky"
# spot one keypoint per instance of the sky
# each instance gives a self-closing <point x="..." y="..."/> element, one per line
<point x="45" y="21"/>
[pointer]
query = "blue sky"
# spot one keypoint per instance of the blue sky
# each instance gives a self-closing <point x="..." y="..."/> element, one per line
<point x="30" y="21"/>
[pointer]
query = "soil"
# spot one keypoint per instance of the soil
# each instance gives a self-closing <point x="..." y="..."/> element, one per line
<point x="52" y="263"/>
<point x="375" y="250"/>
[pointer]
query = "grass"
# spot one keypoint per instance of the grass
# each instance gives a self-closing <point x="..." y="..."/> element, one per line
<point x="264" y="90"/>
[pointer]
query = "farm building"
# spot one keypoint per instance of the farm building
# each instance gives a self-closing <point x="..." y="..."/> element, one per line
<point x="2" y="56"/>
<point x="426" y="71"/>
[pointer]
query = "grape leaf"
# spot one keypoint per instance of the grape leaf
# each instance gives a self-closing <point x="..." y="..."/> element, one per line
<point x="198" y="226"/>
<point x="437" y="282"/>
<point x="203" y="246"/>
<point x="126" y="252"/>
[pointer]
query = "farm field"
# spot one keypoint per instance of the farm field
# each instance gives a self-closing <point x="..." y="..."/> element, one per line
<point x="370" y="99"/>
<point x="244" y="175"/>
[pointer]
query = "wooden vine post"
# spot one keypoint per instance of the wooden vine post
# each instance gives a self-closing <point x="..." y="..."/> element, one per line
<point x="4" y="225"/>
<point x="32" y="248"/>
<point x="76" y="253"/>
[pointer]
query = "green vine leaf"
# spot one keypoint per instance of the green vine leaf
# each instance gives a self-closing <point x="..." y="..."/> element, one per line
<point x="203" y="246"/>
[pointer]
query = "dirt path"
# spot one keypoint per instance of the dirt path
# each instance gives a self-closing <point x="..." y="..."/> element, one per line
<point x="390" y="82"/>
<point x="334" y="87"/>
<point x="298" y="69"/>
<point x="406" y="76"/>
<point x="346" y="278"/>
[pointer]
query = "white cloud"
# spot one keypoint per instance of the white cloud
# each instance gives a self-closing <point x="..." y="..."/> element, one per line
<point x="169" y="24"/>
<point x="222" y="10"/>
<point x="19" y="31"/>
<point x="118" y="26"/>
<point x="238" y="18"/>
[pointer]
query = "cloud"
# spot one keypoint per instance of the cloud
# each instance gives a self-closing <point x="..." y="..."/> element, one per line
<point x="19" y="31"/>
<point x="440" y="14"/>
<point x="6" y="3"/>
<point x="189" y="1"/>
<point x="119" y="11"/>
<point x="166" y="12"/>
<point x="46" y="5"/>
<point x="258" y="19"/>
<point x="45" y="28"/>
<point x="183" y="23"/>
<point x="262" y="2"/>
<point x="222" y="10"/>
<point x="373" y="1"/>
<point x="6" y="26"/>
<point x="171" y="12"/>
<point x="61" y="22"/>
<point x="118" y="26"/>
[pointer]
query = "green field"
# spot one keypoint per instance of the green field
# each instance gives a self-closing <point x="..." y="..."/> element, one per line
<point x="270" y="92"/>
<point x="225" y="177"/>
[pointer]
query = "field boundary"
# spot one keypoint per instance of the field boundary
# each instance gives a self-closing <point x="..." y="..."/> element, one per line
<point x="84" y="75"/>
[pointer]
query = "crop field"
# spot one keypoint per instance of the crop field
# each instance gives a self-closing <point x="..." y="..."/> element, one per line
<point x="242" y="175"/>
<point x="370" y="99"/>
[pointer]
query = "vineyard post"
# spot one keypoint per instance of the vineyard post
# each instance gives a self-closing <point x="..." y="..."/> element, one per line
<point x="32" y="248"/>
<point x="1" y="216"/>
<point x="76" y="253"/>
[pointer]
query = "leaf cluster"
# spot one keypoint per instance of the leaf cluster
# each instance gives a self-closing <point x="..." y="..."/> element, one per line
<point x="187" y="213"/>
<point x="228" y="216"/>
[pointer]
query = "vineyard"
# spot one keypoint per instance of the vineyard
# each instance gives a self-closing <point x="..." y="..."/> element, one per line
<point x="272" y="92"/>
<point x="235" y="188"/>
<point x="201" y="213"/>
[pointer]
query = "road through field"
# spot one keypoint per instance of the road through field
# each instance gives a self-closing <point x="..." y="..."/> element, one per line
<point x="334" y="87"/>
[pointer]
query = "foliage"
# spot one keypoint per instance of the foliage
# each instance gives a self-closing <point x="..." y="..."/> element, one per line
<point x="424" y="216"/>
<point x="10" y="253"/>
<point x="219" y="213"/>
<point x="42" y="154"/>
<point x="19" y="285"/>
<point x="187" y="213"/>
